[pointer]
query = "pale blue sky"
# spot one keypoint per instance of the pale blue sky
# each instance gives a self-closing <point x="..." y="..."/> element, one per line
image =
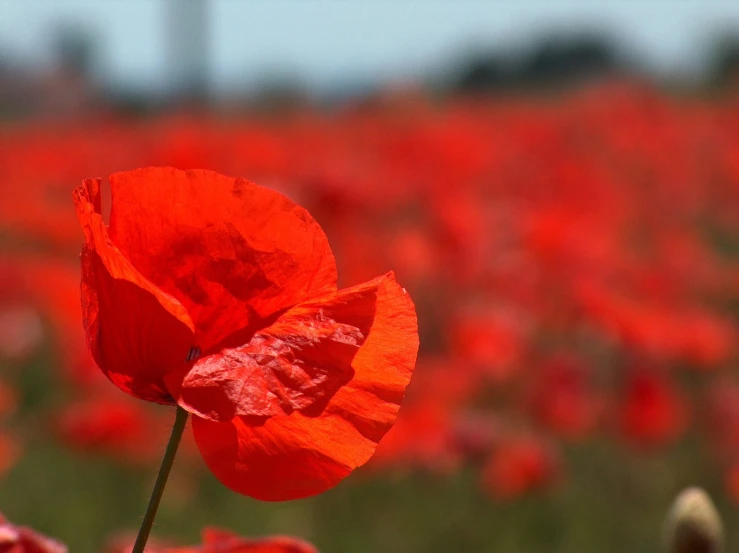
<point x="325" y="42"/>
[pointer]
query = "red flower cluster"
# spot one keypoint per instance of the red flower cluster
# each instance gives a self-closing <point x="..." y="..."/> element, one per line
<point x="20" y="539"/>
<point x="572" y="262"/>
<point x="215" y="540"/>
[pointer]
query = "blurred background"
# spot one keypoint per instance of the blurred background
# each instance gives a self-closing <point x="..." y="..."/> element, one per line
<point x="556" y="184"/>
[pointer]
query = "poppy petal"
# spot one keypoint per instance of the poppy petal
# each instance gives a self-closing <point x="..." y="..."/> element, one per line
<point x="230" y="251"/>
<point x="302" y="358"/>
<point x="136" y="332"/>
<point x="297" y="455"/>
<point x="222" y="541"/>
<point x="215" y="540"/>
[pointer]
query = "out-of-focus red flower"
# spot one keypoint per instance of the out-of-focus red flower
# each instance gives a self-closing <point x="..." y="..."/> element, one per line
<point x="491" y="341"/>
<point x="33" y="302"/>
<point x="114" y="426"/>
<point x="10" y="451"/>
<point x="413" y="254"/>
<point x="8" y="399"/>
<point x="20" y="331"/>
<point x="707" y="340"/>
<point x="425" y="434"/>
<point x="10" y="447"/>
<point x="222" y="541"/>
<point x="475" y="434"/>
<point x="652" y="411"/>
<point x="21" y="539"/>
<point x="215" y="540"/>
<point x="563" y="398"/>
<point x="219" y="295"/>
<point x="519" y="464"/>
<point x="421" y="438"/>
<point x="662" y="331"/>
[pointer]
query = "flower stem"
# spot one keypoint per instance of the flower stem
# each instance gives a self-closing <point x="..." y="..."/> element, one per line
<point x="156" y="494"/>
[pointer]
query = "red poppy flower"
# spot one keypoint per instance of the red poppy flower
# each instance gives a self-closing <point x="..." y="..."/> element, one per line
<point x="653" y="411"/>
<point x="219" y="295"/>
<point x="8" y="399"/>
<point x="116" y="426"/>
<point x="20" y="539"/>
<point x="222" y="541"/>
<point x="518" y="465"/>
<point x="563" y="398"/>
<point x="10" y="451"/>
<point x="215" y="540"/>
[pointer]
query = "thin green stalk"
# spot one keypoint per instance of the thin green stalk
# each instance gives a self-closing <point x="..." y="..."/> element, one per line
<point x="156" y="494"/>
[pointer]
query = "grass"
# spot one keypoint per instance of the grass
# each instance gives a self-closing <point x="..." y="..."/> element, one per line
<point x="610" y="500"/>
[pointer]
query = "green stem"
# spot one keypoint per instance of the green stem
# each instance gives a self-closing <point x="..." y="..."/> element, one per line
<point x="156" y="494"/>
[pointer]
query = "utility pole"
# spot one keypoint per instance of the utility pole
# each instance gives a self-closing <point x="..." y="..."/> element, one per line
<point x="188" y="36"/>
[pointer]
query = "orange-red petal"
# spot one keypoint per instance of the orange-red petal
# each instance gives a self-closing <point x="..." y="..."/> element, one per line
<point x="215" y="540"/>
<point x="230" y="251"/>
<point x="301" y="454"/>
<point x="135" y="331"/>
<point x="301" y="359"/>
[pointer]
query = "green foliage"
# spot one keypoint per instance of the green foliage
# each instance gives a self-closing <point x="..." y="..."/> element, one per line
<point x="611" y="501"/>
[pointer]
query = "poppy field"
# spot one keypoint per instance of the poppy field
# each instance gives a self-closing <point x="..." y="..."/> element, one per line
<point x="526" y="342"/>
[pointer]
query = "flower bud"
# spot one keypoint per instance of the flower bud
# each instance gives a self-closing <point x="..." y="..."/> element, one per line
<point x="693" y="524"/>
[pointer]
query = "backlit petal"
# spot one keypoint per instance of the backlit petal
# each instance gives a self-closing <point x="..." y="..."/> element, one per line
<point x="297" y="455"/>
<point x="136" y="332"/>
<point x="301" y="359"/>
<point x="230" y="251"/>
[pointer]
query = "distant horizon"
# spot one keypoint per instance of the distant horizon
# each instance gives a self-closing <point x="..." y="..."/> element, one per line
<point x="323" y="44"/>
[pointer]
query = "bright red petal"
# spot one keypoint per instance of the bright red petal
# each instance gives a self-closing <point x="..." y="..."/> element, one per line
<point x="297" y="455"/>
<point x="302" y="358"/>
<point x="136" y="332"/>
<point x="215" y="540"/>
<point x="231" y="251"/>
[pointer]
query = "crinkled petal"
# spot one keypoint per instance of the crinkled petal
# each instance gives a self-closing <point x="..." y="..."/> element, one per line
<point x="135" y="331"/>
<point x="230" y="251"/>
<point x="298" y="361"/>
<point x="301" y="454"/>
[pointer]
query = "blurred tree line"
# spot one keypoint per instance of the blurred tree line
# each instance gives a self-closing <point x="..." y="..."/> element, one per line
<point x="550" y="62"/>
<point x="572" y="59"/>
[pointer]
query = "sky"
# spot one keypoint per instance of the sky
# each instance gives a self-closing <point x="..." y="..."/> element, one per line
<point x="323" y="42"/>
